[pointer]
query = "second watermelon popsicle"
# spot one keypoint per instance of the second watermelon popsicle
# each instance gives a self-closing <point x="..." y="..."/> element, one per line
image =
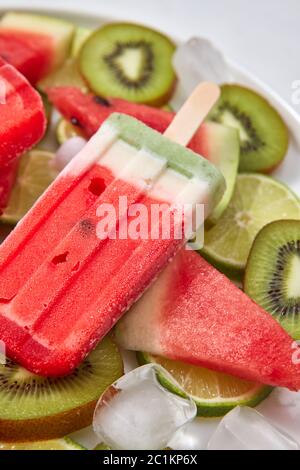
<point x="22" y="124"/>
<point x="63" y="285"/>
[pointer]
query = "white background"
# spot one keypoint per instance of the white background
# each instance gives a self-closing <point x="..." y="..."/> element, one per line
<point x="261" y="35"/>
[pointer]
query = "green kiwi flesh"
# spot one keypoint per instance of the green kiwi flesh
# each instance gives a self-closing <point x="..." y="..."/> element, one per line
<point x="129" y="61"/>
<point x="40" y="408"/>
<point x="272" y="276"/>
<point x="263" y="134"/>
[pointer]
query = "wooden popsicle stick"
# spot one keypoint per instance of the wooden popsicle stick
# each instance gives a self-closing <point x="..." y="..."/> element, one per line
<point x="192" y="114"/>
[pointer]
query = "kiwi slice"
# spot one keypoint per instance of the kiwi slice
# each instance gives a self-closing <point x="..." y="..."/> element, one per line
<point x="102" y="446"/>
<point x="129" y="61"/>
<point x="65" y="131"/>
<point x="263" y="134"/>
<point x="40" y="408"/>
<point x="80" y="36"/>
<point x="54" y="444"/>
<point x="272" y="276"/>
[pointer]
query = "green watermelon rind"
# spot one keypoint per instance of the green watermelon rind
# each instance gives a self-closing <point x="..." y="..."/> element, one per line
<point x="60" y="30"/>
<point x="228" y="157"/>
<point x="212" y="408"/>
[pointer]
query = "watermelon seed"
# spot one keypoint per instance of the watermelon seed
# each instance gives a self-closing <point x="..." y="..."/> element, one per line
<point x="75" y="122"/>
<point x="102" y="101"/>
<point x="87" y="226"/>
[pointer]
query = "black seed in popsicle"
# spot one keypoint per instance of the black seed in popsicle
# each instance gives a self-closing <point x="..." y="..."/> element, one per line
<point x="87" y="226"/>
<point x="75" y="122"/>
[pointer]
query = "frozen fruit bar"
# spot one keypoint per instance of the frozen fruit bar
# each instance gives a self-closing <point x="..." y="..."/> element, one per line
<point x="62" y="287"/>
<point x="22" y="124"/>
<point x="22" y="117"/>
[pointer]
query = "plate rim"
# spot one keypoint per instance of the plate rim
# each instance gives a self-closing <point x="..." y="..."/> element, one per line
<point x="291" y="116"/>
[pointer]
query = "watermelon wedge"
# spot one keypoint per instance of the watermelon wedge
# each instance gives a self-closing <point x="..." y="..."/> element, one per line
<point x="88" y="112"/>
<point x="22" y="118"/>
<point x="217" y="143"/>
<point x="27" y="53"/>
<point x="34" y="44"/>
<point x="195" y="314"/>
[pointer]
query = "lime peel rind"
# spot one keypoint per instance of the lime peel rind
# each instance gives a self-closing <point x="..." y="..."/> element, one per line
<point x="217" y="407"/>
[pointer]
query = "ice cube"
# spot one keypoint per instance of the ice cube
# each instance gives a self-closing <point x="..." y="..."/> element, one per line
<point x="283" y="408"/>
<point x="246" y="429"/>
<point x="194" y="435"/>
<point x="68" y="150"/>
<point x="195" y="61"/>
<point x="138" y="413"/>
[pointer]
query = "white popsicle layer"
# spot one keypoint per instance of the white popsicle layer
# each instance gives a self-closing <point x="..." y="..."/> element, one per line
<point x="139" y="167"/>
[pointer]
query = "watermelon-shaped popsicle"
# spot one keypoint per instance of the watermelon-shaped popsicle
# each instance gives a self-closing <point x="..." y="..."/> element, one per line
<point x="219" y="144"/>
<point x="66" y="277"/>
<point x="196" y="315"/>
<point x="22" y="117"/>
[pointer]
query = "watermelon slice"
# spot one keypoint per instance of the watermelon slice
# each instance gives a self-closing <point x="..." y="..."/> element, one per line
<point x="195" y="314"/>
<point x="217" y="143"/>
<point x="29" y="54"/>
<point x="22" y="118"/>
<point x="34" y="44"/>
<point x="89" y="112"/>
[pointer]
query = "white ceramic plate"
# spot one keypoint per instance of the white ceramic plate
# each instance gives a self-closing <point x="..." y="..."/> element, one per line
<point x="280" y="407"/>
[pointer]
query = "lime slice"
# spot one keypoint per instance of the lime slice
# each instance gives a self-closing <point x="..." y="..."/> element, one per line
<point x="55" y="444"/>
<point x="214" y="393"/>
<point x="102" y="446"/>
<point x="80" y="36"/>
<point x="257" y="201"/>
<point x="36" y="171"/>
<point x="65" y="130"/>
<point x="67" y="75"/>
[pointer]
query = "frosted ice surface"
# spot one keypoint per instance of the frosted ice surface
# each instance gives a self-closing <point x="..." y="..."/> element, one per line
<point x="68" y="150"/>
<point x="246" y="429"/>
<point x="195" y="61"/>
<point x="137" y="412"/>
<point x="283" y="409"/>
<point x="194" y="435"/>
